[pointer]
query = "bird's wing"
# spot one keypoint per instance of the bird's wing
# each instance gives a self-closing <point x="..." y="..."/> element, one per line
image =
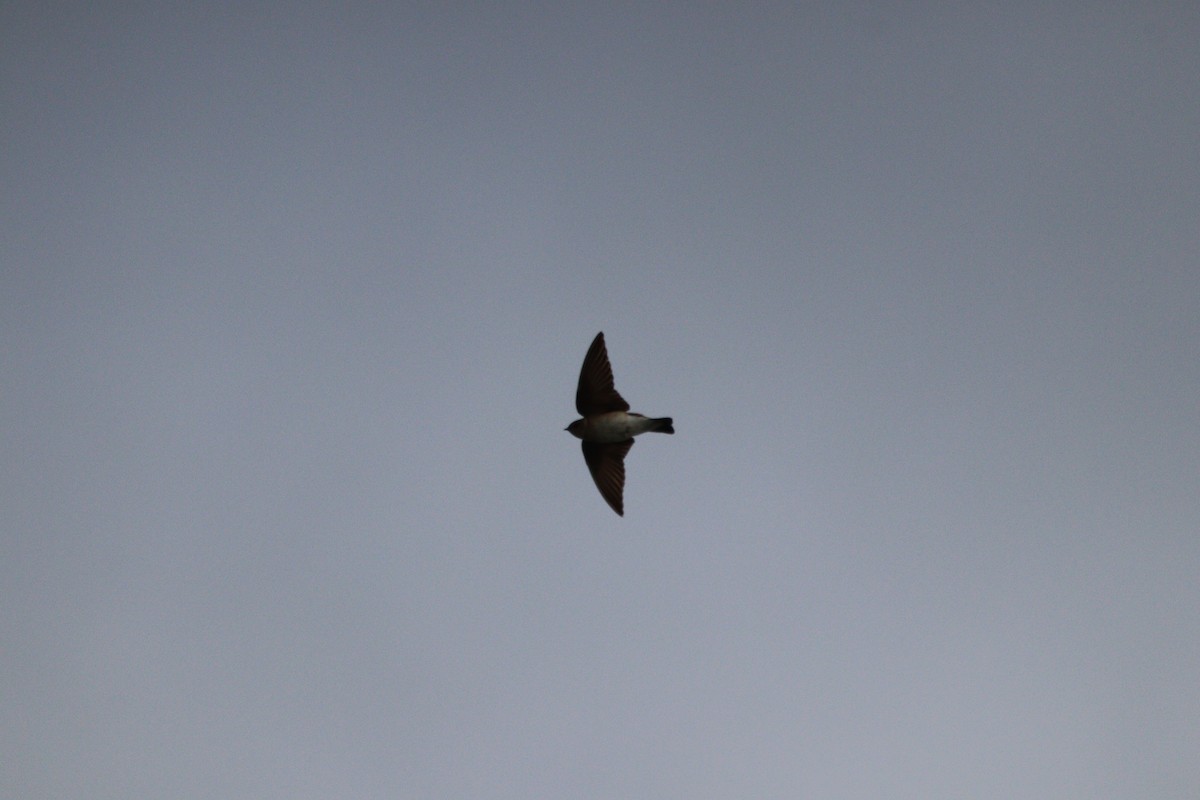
<point x="596" y="393"/>
<point x="606" y="462"/>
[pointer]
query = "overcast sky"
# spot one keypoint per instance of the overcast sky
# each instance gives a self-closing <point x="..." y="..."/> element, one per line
<point x="293" y="302"/>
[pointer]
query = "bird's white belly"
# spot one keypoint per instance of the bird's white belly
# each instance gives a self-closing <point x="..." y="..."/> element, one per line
<point x="617" y="426"/>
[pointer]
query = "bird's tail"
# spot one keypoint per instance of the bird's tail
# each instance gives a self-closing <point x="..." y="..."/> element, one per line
<point x="665" y="425"/>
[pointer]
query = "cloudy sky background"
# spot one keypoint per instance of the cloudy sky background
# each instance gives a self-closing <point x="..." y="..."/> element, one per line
<point x="294" y="298"/>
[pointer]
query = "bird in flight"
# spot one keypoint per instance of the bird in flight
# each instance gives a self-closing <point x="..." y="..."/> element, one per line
<point x="608" y="426"/>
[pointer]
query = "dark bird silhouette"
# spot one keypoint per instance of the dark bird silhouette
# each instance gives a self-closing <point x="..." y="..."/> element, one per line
<point x="608" y="426"/>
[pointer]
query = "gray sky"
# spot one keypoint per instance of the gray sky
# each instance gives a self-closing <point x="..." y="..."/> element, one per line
<point x="294" y="299"/>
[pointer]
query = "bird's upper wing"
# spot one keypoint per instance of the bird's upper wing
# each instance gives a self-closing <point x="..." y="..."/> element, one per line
<point x="606" y="462"/>
<point x="596" y="393"/>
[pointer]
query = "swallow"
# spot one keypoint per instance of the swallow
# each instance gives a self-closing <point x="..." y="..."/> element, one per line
<point x="608" y="426"/>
